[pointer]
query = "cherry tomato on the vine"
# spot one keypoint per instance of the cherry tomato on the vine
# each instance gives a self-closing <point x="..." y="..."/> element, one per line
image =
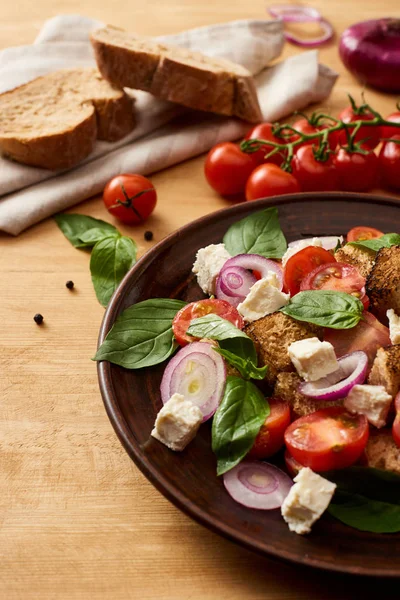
<point x="270" y="180"/>
<point x="130" y="198"/>
<point x="263" y="131"/>
<point x="369" y="135"/>
<point x="357" y="172"/>
<point x="361" y="233"/>
<point x="227" y="169"/>
<point x="386" y="130"/>
<point x="304" y="126"/>
<point x="389" y="163"/>
<point x="314" y="175"/>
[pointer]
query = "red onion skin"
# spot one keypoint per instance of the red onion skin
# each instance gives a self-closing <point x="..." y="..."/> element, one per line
<point x="371" y="51"/>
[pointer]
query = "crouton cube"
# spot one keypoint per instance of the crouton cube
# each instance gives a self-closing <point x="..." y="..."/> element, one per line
<point x="383" y="283"/>
<point x="386" y="369"/>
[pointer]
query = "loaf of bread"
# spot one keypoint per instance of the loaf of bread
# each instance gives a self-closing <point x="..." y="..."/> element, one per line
<point x="54" y="120"/>
<point x="176" y="74"/>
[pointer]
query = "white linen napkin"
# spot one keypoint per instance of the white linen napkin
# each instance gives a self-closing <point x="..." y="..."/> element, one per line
<point x="165" y="133"/>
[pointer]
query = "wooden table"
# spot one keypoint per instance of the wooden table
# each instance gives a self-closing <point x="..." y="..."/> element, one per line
<point x="77" y="518"/>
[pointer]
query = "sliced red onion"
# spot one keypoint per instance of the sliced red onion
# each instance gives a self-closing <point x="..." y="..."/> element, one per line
<point x="329" y="242"/>
<point x="255" y="262"/>
<point x="352" y="371"/>
<point x="325" y="36"/>
<point x="236" y="281"/>
<point x="292" y="13"/>
<point x="221" y="296"/>
<point x="198" y="373"/>
<point x="257" y="484"/>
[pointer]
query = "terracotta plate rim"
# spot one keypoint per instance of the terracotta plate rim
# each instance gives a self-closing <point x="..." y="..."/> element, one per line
<point x="123" y="431"/>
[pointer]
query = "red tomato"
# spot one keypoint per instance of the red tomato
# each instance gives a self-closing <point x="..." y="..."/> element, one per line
<point x="368" y="335"/>
<point x="304" y="126"/>
<point x="359" y="234"/>
<point x="263" y="131"/>
<point x="270" y="180"/>
<point x="386" y="130"/>
<point x="301" y="264"/>
<point x="194" y="310"/>
<point x="292" y="465"/>
<point x="369" y="135"/>
<point x="339" y="277"/>
<point x="227" y="169"/>
<point x="314" y="175"/>
<point x="130" y="198"/>
<point x="357" y="172"/>
<point x="330" y="438"/>
<point x="270" y="437"/>
<point x="389" y="163"/>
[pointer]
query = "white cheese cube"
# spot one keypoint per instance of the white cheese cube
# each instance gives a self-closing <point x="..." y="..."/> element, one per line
<point x="394" y="326"/>
<point x="209" y="261"/>
<point x="263" y="298"/>
<point x="177" y="422"/>
<point x="373" y="401"/>
<point x="291" y="251"/>
<point x="313" y="359"/>
<point x="308" y="498"/>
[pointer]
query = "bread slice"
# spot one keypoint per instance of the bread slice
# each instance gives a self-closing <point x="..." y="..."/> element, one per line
<point x="54" y="120"/>
<point x="382" y="451"/>
<point x="176" y="74"/>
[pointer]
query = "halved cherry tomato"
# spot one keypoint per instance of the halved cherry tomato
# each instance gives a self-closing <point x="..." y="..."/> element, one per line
<point x="301" y="264"/>
<point x="368" y="335"/>
<point x="314" y="175"/>
<point x="270" y="437"/>
<point x="386" y="130"/>
<point x="361" y="233"/>
<point x="396" y="422"/>
<point x="369" y="135"/>
<point x="227" y="168"/>
<point x="304" y="126"/>
<point x="194" y="310"/>
<point x="292" y="465"/>
<point x="263" y="131"/>
<point x="336" y="276"/>
<point x="357" y="172"/>
<point x="330" y="438"/>
<point x="389" y="163"/>
<point x="270" y="180"/>
<point x="130" y="198"/>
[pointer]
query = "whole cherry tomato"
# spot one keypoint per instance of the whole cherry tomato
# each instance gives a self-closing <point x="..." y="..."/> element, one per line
<point x="369" y="135"/>
<point x="263" y="131"/>
<point x="130" y="198"/>
<point x="314" y="175"/>
<point x="357" y="172"/>
<point x="227" y="169"/>
<point x="270" y="180"/>
<point x="386" y="130"/>
<point x="389" y="163"/>
<point x="304" y="126"/>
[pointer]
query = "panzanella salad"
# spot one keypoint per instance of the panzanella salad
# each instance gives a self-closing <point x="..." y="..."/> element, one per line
<point x="295" y="357"/>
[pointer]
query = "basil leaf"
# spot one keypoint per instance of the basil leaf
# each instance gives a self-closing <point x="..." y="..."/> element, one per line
<point x="242" y="347"/>
<point x="246" y="367"/>
<point x="214" y="327"/>
<point x="74" y="226"/>
<point x="368" y="481"/>
<point x="327" y="308"/>
<point x="111" y="259"/>
<point x="237" y="422"/>
<point x="92" y="236"/>
<point x="142" y="335"/>
<point x="260" y="233"/>
<point x="385" y="241"/>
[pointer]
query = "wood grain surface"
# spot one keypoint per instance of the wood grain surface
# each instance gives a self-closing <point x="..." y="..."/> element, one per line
<point x="77" y="518"/>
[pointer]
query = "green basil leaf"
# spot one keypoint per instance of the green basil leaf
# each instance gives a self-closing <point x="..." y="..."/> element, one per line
<point x="237" y="422"/>
<point x="74" y="226"/>
<point x="242" y="347"/>
<point x="327" y="308"/>
<point x="367" y="481"/>
<point x="142" y="335"/>
<point x="92" y="236"/>
<point x="260" y="233"/>
<point x="111" y="259"/>
<point x="365" y="514"/>
<point x="246" y="367"/>
<point x="387" y="240"/>
<point x="214" y="327"/>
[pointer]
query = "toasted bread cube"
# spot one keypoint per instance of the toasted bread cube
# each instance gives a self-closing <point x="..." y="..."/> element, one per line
<point x="287" y="388"/>
<point x="357" y="257"/>
<point x="383" y="283"/>
<point x="386" y="369"/>
<point x="382" y="451"/>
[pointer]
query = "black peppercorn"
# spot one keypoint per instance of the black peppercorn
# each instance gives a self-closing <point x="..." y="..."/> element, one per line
<point x="148" y="236"/>
<point x="38" y="318"/>
<point x="69" y="285"/>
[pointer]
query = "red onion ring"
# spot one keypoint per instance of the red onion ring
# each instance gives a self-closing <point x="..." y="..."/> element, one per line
<point x="257" y="484"/>
<point x="198" y="373"/>
<point x="329" y="242"/>
<point x="352" y="371"/>
<point x="291" y="13"/>
<point x="221" y="296"/>
<point x="255" y="262"/>
<point x="236" y="281"/>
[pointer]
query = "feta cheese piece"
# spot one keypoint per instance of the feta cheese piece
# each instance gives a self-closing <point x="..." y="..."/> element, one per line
<point x="209" y="261"/>
<point x="313" y="359"/>
<point x="308" y="498"/>
<point x="394" y="326"/>
<point x="177" y="422"/>
<point x="292" y="250"/>
<point x="373" y="401"/>
<point x="263" y="298"/>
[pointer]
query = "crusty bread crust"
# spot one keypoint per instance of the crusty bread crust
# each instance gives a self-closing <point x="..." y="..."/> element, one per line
<point x="176" y="74"/>
<point x="382" y="451"/>
<point x="54" y="120"/>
